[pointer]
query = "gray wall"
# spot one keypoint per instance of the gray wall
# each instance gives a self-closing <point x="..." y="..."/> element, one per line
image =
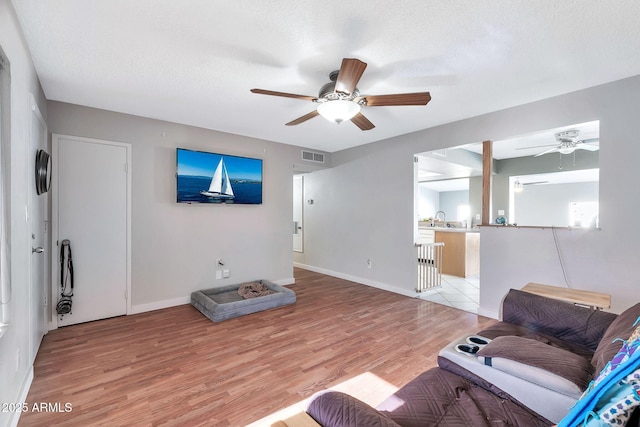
<point x="449" y="202"/>
<point x="428" y="202"/>
<point x="369" y="213"/>
<point x="363" y="207"/>
<point x="15" y="353"/>
<point x="175" y="246"/>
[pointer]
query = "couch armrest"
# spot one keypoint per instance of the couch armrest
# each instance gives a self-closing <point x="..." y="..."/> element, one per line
<point x="336" y="409"/>
<point x="568" y="322"/>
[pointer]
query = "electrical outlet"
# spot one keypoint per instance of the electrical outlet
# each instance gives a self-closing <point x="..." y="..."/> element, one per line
<point x="368" y="262"/>
<point x="226" y="274"/>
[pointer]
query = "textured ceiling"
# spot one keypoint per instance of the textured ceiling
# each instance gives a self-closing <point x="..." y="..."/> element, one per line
<point x="194" y="61"/>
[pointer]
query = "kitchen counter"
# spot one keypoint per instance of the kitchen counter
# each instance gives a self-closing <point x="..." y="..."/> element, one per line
<point x="453" y="229"/>
<point x="461" y="251"/>
<point x="456" y="227"/>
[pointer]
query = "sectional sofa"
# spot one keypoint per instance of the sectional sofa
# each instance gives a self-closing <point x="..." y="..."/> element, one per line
<point x="527" y="370"/>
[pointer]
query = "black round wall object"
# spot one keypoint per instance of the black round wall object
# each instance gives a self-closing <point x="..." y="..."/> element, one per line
<point x="43" y="171"/>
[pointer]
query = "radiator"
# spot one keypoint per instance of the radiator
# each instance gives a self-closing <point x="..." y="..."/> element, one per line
<point x="429" y="257"/>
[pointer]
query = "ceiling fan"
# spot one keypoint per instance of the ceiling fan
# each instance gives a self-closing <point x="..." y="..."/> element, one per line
<point x="340" y="99"/>
<point x="567" y="142"/>
<point x="518" y="186"/>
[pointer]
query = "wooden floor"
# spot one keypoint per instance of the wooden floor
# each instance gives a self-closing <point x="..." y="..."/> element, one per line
<point x="175" y="367"/>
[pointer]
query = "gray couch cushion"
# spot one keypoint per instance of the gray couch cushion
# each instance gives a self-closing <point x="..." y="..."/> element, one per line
<point x="622" y="327"/>
<point x="501" y="329"/>
<point x="548" y="402"/>
<point x="573" y="325"/>
<point x="336" y="409"/>
<point x="539" y="363"/>
<point x="441" y="398"/>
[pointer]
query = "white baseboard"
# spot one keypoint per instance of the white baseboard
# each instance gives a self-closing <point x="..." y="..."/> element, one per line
<point x="361" y="280"/>
<point x="488" y="313"/>
<point x="158" y="305"/>
<point x="24" y="391"/>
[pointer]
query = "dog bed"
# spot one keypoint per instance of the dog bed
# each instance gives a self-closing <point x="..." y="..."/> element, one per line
<point x="225" y="302"/>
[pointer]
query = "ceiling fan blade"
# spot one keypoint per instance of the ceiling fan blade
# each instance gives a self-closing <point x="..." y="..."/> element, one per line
<point x="303" y="119"/>
<point x="587" y="147"/>
<point x="537" y="146"/>
<point x="362" y="122"/>
<point x="286" y="95"/>
<point x="350" y="72"/>
<point x="550" y="150"/>
<point x="418" y="98"/>
<point x="588" y="140"/>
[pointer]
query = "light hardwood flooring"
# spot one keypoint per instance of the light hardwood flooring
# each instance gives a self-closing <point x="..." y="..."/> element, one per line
<point x="175" y="367"/>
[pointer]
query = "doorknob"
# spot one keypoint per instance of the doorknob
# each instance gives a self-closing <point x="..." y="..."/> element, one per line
<point x="37" y="250"/>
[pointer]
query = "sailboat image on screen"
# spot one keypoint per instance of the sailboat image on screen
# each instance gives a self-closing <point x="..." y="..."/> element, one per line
<point x="220" y="187"/>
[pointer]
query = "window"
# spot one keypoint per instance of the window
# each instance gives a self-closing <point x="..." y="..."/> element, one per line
<point x="583" y="214"/>
<point x="464" y="212"/>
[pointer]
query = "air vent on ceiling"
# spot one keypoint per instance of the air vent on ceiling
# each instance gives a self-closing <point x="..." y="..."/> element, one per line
<point x="312" y="157"/>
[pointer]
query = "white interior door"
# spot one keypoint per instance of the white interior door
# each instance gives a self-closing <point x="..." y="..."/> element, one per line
<point x="39" y="237"/>
<point x="91" y="205"/>
<point x="298" y="203"/>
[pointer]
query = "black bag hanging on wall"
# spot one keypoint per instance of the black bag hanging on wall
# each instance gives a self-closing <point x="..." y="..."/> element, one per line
<point x="66" y="279"/>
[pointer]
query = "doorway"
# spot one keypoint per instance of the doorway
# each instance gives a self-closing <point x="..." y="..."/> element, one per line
<point x="91" y="204"/>
<point x="298" y="207"/>
<point x="447" y="210"/>
<point x="39" y="225"/>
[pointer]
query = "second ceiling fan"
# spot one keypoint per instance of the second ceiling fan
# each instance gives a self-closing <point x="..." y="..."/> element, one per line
<point x="568" y="142"/>
<point x="340" y="99"/>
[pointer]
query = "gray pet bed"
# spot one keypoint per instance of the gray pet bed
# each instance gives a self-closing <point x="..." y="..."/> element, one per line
<point x="225" y="303"/>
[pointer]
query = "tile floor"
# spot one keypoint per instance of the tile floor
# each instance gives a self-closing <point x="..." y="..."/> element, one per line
<point x="457" y="292"/>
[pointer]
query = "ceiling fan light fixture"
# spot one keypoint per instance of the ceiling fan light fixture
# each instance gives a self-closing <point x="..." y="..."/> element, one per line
<point x="338" y="110"/>
<point x="567" y="149"/>
<point x="517" y="186"/>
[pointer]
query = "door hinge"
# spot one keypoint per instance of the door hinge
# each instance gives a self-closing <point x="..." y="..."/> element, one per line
<point x="126" y="168"/>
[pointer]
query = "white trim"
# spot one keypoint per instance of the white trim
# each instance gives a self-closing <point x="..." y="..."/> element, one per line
<point x="159" y="305"/>
<point x="360" y="280"/>
<point x="42" y="305"/>
<point x="22" y="397"/>
<point x="54" y="217"/>
<point x="5" y="195"/>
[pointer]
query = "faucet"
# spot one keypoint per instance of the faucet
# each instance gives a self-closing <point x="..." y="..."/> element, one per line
<point x="443" y="216"/>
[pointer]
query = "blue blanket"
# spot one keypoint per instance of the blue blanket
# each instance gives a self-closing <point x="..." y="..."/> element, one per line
<point x="612" y="396"/>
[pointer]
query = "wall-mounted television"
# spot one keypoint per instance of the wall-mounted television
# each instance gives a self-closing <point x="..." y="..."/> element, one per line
<point x="204" y="177"/>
